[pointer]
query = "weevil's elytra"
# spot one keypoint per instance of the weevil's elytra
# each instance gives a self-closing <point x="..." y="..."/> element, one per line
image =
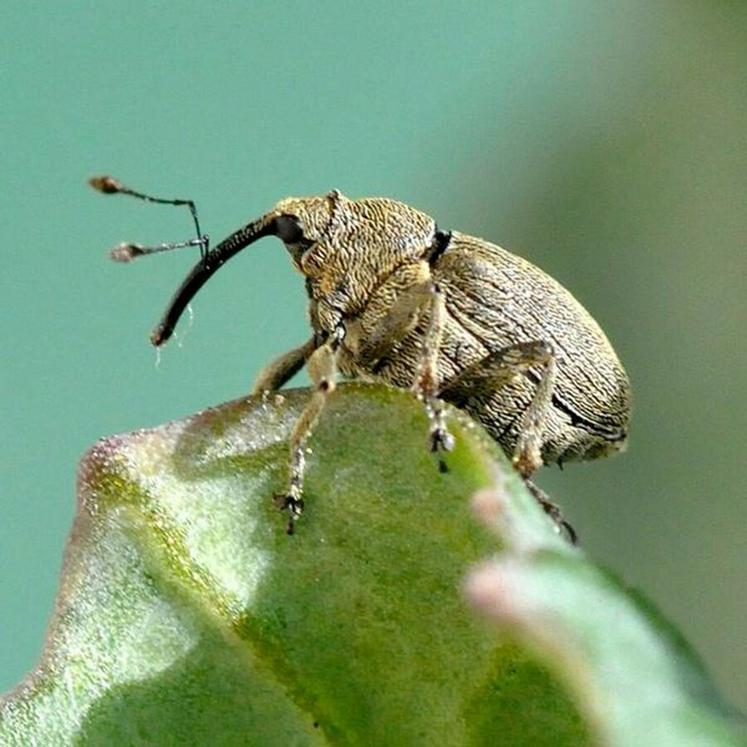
<point x="394" y="298"/>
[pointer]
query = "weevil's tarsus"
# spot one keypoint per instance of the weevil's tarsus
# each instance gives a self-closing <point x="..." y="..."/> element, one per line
<point x="294" y="507"/>
<point x="110" y="186"/>
<point x="570" y="531"/>
<point x="553" y="511"/>
<point x="439" y="437"/>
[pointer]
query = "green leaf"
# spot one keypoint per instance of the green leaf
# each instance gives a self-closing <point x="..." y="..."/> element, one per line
<point x="186" y="615"/>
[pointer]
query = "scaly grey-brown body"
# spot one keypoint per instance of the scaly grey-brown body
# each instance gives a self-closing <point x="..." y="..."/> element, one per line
<point x="453" y="317"/>
<point x="494" y="299"/>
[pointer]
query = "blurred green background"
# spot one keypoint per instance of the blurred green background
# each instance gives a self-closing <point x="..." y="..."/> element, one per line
<point x="604" y="141"/>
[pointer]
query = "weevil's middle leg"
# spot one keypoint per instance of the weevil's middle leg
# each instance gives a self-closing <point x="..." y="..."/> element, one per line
<point x="427" y="383"/>
<point x="422" y="294"/>
<point x="322" y="365"/>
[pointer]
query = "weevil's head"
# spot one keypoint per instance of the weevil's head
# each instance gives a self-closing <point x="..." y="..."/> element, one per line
<point x="346" y="248"/>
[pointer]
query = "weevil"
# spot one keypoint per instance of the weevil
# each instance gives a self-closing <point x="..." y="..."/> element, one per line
<point x="394" y="298"/>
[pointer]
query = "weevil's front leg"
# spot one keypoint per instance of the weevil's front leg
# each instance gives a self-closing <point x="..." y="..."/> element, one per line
<point x="496" y="370"/>
<point x="322" y="365"/>
<point x="284" y="367"/>
<point x="426" y="384"/>
<point x="399" y="320"/>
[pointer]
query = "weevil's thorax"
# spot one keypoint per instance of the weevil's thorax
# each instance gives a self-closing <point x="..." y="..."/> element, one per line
<point x="351" y="246"/>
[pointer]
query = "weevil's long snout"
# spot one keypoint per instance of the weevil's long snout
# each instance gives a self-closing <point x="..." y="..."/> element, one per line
<point x="215" y="258"/>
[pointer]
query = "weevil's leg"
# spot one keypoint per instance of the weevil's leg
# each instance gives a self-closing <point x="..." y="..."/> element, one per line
<point x="527" y="455"/>
<point x="284" y="367"/>
<point x="553" y="511"/>
<point x="426" y="384"/>
<point x="322" y="365"/>
<point x="399" y="320"/>
<point x="496" y="370"/>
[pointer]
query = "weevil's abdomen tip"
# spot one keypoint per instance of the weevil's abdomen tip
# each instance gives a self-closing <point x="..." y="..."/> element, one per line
<point x="106" y="184"/>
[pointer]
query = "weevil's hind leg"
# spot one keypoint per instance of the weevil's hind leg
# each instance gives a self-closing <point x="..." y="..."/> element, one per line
<point x="553" y="511"/>
<point x="426" y="384"/>
<point x="322" y="365"/>
<point x="496" y="370"/>
<point x="284" y="368"/>
<point x="527" y="456"/>
<point x="493" y="372"/>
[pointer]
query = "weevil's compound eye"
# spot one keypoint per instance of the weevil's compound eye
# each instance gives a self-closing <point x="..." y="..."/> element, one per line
<point x="289" y="229"/>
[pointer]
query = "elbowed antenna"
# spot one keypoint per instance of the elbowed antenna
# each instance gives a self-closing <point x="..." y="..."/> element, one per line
<point x="209" y="262"/>
<point x="127" y="252"/>
<point x="264" y="226"/>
